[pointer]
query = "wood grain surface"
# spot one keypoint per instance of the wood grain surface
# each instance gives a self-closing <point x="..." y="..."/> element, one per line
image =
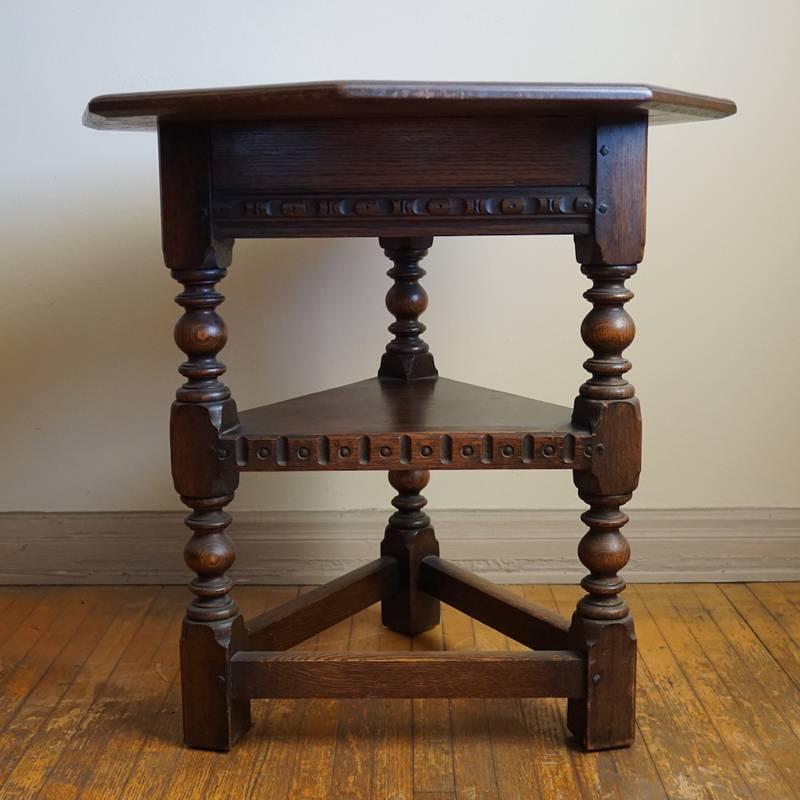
<point x="91" y="706"/>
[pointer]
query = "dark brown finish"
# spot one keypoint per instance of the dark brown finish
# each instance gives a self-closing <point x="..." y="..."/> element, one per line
<point x="620" y="184"/>
<point x="404" y="163"/>
<point x="554" y="673"/>
<point x="495" y="210"/>
<point x="348" y="99"/>
<point x="407" y="356"/>
<point x="408" y="538"/>
<point x="213" y="629"/>
<point x="519" y="619"/>
<point x="606" y="716"/>
<point x="220" y="720"/>
<point x="351" y="177"/>
<point x="314" y="611"/>
<point x="386" y="424"/>
<point x="368" y="154"/>
<point x="602" y="626"/>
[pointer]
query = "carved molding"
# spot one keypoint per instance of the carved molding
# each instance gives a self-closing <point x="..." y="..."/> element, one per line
<point x="551" y="450"/>
<point x="519" y="202"/>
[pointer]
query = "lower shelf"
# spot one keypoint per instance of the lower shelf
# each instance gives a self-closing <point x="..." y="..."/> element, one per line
<point x="430" y="424"/>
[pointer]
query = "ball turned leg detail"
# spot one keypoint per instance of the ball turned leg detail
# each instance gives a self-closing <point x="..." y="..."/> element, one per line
<point x="602" y="626"/>
<point x="604" y="551"/>
<point x="409" y="538"/>
<point x="213" y="629"/>
<point x="407" y="356"/>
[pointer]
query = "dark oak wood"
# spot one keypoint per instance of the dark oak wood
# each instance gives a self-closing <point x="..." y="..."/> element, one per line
<point x="602" y="627"/>
<point x="519" y="619"/>
<point x="553" y="673"/>
<point x="408" y="538"/>
<point x="393" y="424"/>
<point x="348" y="99"/>
<point x="213" y="629"/>
<point x="312" y="612"/>
<point x="495" y="210"/>
<point x="620" y="181"/>
<point x="358" y="154"/>
<point x="407" y="356"/>
<point x="405" y="162"/>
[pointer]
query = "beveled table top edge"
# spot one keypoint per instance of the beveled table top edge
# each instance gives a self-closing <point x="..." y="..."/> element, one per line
<point x="143" y="111"/>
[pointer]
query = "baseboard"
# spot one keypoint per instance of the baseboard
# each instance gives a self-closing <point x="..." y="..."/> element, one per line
<point x="313" y="547"/>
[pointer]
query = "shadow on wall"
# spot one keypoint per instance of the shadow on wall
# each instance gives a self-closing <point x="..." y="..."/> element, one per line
<point x="92" y="364"/>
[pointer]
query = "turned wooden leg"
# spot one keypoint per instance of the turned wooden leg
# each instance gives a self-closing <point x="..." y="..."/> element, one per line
<point x="602" y="627"/>
<point x="206" y="478"/>
<point x="212" y="632"/>
<point x="407" y="356"/>
<point x="409" y="537"/>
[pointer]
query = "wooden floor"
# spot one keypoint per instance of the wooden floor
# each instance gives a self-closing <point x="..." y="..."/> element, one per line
<point x="90" y="707"/>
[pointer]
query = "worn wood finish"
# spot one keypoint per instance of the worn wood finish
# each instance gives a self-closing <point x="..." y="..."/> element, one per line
<point x="712" y="676"/>
<point x="555" y="673"/>
<point x="312" y="612"/>
<point x="391" y="99"/>
<point x="405" y="162"/>
<point x="519" y="619"/>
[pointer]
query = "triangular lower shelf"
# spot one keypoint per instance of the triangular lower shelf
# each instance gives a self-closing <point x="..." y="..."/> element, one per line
<point x="432" y="424"/>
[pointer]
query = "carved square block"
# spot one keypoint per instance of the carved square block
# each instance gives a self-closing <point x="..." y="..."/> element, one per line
<point x="349" y="450"/>
<point x="303" y="452"/>
<point x="387" y="450"/>
<point x="508" y="450"/>
<point x="467" y="449"/>
<point x="426" y="450"/>
<point x="262" y="453"/>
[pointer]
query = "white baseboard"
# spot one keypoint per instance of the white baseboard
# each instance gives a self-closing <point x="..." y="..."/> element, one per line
<point x="306" y="547"/>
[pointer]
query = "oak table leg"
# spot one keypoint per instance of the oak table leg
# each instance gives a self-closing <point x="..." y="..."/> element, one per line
<point x="203" y="468"/>
<point x="409" y="536"/>
<point x="407" y="356"/>
<point x="213" y="629"/>
<point x="602" y="626"/>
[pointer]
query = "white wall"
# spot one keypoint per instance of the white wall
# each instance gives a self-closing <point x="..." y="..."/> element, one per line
<point x="87" y="354"/>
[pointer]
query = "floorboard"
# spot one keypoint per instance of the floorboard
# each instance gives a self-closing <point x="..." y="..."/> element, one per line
<point x="91" y="707"/>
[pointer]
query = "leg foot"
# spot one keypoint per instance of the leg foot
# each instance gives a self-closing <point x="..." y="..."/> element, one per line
<point x="605" y="718"/>
<point x="409" y="538"/>
<point x="212" y="719"/>
<point x="602" y="629"/>
<point x="213" y="631"/>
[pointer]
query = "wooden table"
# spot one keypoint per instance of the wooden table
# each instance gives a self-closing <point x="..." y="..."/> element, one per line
<point x="405" y="162"/>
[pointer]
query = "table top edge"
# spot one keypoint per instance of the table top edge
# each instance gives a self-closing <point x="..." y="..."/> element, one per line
<point x="392" y="99"/>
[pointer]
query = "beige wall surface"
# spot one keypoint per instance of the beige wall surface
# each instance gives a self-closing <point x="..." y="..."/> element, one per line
<point x="87" y="307"/>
